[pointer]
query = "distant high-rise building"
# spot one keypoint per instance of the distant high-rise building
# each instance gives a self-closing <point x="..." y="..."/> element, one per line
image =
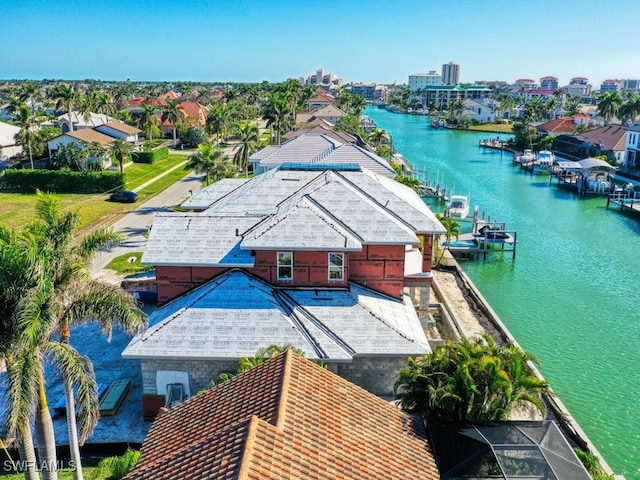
<point x="525" y="83"/>
<point x="631" y="85"/>
<point x="548" y="83"/>
<point x="579" y="81"/>
<point x="325" y="80"/>
<point x="450" y="74"/>
<point x="610" y="86"/>
<point x="423" y="80"/>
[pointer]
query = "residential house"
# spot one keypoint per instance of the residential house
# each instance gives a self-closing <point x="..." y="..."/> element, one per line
<point x="330" y="113"/>
<point x="558" y="126"/>
<point x="320" y="100"/>
<point x="322" y="128"/>
<point x="478" y="112"/>
<point x="609" y="140"/>
<point x="319" y="149"/>
<point x="8" y="145"/>
<point x="316" y="256"/>
<point x="82" y="138"/>
<point x="286" y="419"/>
<point x="120" y="130"/>
<point x="632" y="148"/>
<point x="80" y="122"/>
<point x="195" y="115"/>
<point x="103" y="135"/>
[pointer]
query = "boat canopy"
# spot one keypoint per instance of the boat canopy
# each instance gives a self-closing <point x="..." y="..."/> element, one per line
<point x="586" y="164"/>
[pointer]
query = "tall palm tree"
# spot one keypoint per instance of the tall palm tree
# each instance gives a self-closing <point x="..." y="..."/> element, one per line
<point x="85" y="107"/>
<point x="452" y="231"/>
<point x="609" y="105"/>
<point x="28" y="122"/>
<point x="148" y="120"/>
<point x="210" y="161"/>
<point x="247" y="145"/>
<point x="275" y="111"/>
<point x="31" y="92"/>
<point x="69" y="297"/>
<point x="173" y="114"/>
<point x="103" y="103"/>
<point x="66" y="97"/>
<point x="120" y="149"/>
<point x="217" y="120"/>
<point x="630" y="110"/>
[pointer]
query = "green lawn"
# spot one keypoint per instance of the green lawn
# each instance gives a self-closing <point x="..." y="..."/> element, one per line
<point x="128" y="263"/>
<point x="492" y="127"/>
<point x="16" y="209"/>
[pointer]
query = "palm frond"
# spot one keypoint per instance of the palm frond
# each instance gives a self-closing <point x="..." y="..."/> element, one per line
<point x="22" y="394"/>
<point x="107" y="304"/>
<point x="78" y="371"/>
<point x="103" y="238"/>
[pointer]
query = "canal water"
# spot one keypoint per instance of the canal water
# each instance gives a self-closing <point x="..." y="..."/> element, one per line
<point x="571" y="295"/>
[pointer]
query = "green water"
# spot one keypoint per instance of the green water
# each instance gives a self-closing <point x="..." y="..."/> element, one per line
<point x="570" y="296"/>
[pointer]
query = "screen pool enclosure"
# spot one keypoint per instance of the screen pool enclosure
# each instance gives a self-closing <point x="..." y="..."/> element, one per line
<point x="509" y="450"/>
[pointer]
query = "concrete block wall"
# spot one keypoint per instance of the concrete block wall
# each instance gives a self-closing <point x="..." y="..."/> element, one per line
<point x="201" y="372"/>
<point x="375" y="374"/>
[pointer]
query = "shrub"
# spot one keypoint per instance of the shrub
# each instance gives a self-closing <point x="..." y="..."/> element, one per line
<point x="61" y="181"/>
<point x="151" y="156"/>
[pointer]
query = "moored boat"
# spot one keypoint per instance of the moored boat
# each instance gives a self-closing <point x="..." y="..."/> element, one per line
<point x="458" y="206"/>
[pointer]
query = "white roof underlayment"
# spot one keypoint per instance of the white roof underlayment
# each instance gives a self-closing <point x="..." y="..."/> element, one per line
<point x="236" y="314"/>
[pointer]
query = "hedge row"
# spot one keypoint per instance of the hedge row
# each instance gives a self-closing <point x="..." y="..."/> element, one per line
<point x="150" y="156"/>
<point x="61" y="181"/>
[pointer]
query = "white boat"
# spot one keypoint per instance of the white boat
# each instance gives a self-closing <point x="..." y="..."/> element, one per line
<point x="527" y="156"/>
<point x="458" y="206"/>
<point x="545" y="159"/>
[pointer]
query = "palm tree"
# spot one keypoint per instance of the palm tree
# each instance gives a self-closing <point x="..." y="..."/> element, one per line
<point x="28" y="122"/>
<point x="66" y="98"/>
<point x="275" y="111"/>
<point x="217" y="120"/>
<point x="85" y="107"/>
<point x="470" y="380"/>
<point x="72" y="298"/>
<point x="452" y="231"/>
<point x="609" y="105"/>
<point x="120" y="149"/>
<point x="210" y="161"/>
<point x="630" y="109"/>
<point x="103" y="103"/>
<point x="247" y="145"/>
<point x="30" y="91"/>
<point x="357" y="104"/>
<point x="378" y="136"/>
<point x="173" y="114"/>
<point x="148" y="120"/>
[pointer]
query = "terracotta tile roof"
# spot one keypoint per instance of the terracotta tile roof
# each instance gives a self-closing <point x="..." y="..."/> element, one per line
<point x="286" y="419"/>
<point x="193" y="109"/>
<point x="171" y="94"/>
<point x="558" y="125"/>
<point x="609" y="137"/>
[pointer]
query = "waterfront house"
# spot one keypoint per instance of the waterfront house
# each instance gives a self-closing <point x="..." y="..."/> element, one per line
<point x="558" y="126"/>
<point x="322" y="128"/>
<point x="330" y="113"/>
<point x="632" y="148"/>
<point x="478" y="112"/>
<point x="328" y="258"/>
<point x="318" y="149"/>
<point x="609" y="140"/>
<point x="286" y="418"/>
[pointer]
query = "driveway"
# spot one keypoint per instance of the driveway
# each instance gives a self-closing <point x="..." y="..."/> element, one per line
<point x="136" y="223"/>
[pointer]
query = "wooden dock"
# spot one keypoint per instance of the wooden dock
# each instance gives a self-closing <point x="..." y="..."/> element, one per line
<point x="626" y="200"/>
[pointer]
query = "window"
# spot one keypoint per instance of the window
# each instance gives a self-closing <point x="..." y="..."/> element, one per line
<point x="336" y="267"/>
<point x="285" y="265"/>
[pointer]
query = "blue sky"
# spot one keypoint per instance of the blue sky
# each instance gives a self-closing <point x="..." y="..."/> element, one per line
<point x="370" y="41"/>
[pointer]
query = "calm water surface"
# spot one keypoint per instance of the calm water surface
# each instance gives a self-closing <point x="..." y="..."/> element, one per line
<point x="570" y="297"/>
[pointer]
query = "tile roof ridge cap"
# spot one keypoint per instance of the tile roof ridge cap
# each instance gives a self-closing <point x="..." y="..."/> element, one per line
<point x="247" y="451"/>
<point x="284" y="390"/>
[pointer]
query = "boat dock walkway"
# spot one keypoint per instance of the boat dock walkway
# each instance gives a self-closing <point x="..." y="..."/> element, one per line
<point x="486" y="237"/>
<point x="626" y="200"/>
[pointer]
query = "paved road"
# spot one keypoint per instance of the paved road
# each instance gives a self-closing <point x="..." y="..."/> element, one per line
<point x="136" y="223"/>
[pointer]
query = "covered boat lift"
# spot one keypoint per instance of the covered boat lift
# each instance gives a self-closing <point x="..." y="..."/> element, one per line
<point x="587" y="176"/>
